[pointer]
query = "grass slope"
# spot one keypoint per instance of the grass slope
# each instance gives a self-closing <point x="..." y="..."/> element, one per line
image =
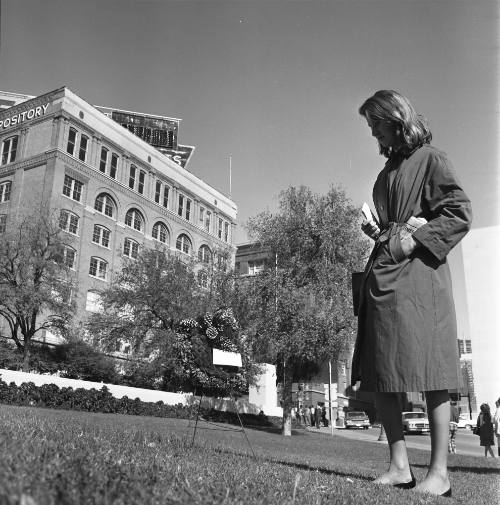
<point x="62" y="457"/>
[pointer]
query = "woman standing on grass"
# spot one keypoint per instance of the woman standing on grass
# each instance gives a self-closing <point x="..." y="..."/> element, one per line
<point x="485" y="427"/>
<point x="406" y="319"/>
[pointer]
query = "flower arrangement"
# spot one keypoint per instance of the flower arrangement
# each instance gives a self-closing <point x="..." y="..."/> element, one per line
<point x="197" y="338"/>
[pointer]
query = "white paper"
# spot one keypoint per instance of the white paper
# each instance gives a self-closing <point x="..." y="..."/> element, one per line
<point x="367" y="213"/>
<point x="227" y="358"/>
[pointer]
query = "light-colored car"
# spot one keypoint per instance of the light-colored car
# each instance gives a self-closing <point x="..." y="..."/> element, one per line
<point x="465" y="421"/>
<point x="415" y="422"/>
<point x="356" y="419"/>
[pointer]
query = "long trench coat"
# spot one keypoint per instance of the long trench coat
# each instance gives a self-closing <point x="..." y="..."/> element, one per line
<point x="407" y="339"/>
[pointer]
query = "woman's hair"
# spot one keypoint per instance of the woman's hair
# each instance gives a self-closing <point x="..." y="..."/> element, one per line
<point x="388" y="105"/>
<point x="485" y="408"/>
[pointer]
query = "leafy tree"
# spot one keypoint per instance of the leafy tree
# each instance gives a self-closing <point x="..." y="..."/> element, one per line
<point x="35" y="283"/>
<point x="299" y="310"/>
<point x="157" y="306"/>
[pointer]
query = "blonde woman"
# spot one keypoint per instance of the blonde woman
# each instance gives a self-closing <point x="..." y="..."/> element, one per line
<point x="406" y="318"/>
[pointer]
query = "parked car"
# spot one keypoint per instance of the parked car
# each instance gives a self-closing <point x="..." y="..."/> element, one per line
<point x="415" y="422"/>
<point x="465" y="421"/>
<point x="356" y="419"/>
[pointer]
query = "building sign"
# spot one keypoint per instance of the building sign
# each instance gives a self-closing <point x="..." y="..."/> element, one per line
<point x="158" y="132"/>
<point x="24" y="116"/>
<point x="181" y="155"/>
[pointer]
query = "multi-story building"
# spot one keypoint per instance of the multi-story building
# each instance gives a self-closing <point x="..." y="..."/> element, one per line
<point x="116" y="179"/>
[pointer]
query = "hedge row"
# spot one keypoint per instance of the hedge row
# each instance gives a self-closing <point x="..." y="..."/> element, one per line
<point x="93" y="400"/>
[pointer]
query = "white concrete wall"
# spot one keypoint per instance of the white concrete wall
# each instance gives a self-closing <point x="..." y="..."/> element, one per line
<point x="244" y="404"/>
<point x="264" y="394"/>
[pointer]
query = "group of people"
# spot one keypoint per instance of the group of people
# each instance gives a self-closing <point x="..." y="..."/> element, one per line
<point x="312" y="415"/>
<point x="488" y="426"/>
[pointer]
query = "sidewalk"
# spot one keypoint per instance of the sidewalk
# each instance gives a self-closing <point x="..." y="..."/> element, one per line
<point x="467" y="443"/>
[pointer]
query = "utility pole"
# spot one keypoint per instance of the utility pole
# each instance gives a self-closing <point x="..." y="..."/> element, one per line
<point x="330" y="394"/>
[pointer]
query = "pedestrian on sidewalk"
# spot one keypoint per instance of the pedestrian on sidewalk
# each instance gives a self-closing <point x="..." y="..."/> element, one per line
<point x="317" y="415"/>
<point x="407" y="332"/>
<point x="485" y="427"/>
<point x="496" y="424"/>
<point x="454" y="417"/>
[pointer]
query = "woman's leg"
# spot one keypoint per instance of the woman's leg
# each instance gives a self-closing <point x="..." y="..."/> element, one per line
<point x="389" y="410"/>
<point x="438" y="406"/>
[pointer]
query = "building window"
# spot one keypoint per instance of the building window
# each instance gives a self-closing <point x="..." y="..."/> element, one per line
<point x="105" y="205"/>
<point x="3" y="223"/>
<point x="205" y="219"/>
<point x="82" y="153"/>
<point x="70" y="148"/>
<point x="255" y="267"/>
<point x="131" y="177"/>
<point x="226" y="231"/>
<point x="72" y="188"/>
<point x="140" y="186"/>
<point x="93" y="302"/>
<point x="101" y="235"/>
<point x="114" y="166"/>
<point x="158" y="192"/>
<point x="130" y="248"/>
<point x="104" y="160"/>
<point x="69" y="255"/>
<point x="180" y="208"/>
<point x="183" y="244"/>
<point x="464" y="347"/>
<point x="160" y="232"/>
<point x="184" y="207"/>
<point x="204" y="254"/>
<point x="166" y="193"/>
<point x="68" y="221"/>
<point x="134" y="220"/>
<point x="5" y="188"/>
<point x="203" y="279"/>
<point x="98" y="268"/>
<point x="220" y="227"/>
<point x="9" y="150"/>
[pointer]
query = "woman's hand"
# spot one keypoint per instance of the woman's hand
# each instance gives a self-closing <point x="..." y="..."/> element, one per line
<point x="408" y="244"/>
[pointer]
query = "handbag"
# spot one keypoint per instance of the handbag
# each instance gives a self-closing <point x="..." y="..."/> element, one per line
<point x="476" y="430"/>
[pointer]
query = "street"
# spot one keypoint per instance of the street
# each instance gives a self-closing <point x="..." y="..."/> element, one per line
<point x="466" y="442"/>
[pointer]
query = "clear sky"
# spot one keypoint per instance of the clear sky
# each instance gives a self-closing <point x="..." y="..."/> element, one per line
<point x="274" y="84"/>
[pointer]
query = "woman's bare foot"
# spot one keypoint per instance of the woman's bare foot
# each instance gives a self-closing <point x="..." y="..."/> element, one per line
<point x="434" y="483"/>
<point x="394" y="476"/>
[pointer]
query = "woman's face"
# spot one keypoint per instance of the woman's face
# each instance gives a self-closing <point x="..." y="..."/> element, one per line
<point x="386" y="133"/>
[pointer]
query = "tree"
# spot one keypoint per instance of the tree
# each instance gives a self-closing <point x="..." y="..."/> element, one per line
<point x="157" y="306"/>
<point x="36" y="283"/>
<point x="299" y="310"/>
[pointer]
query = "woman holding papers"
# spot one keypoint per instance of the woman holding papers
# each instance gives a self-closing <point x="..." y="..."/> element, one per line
<point x="406" y="319"/>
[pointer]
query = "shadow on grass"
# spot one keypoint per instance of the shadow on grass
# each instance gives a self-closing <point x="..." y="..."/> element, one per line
<point x="468" y="469"/>
<point x="294" y="464"/>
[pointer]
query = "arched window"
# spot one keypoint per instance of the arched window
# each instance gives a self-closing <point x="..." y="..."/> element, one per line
<point x="203" y="279"/>
<point x="183" y="244"/>
<point x="204" y="254"/>
<point x="69" y="255"/>
<point x="68" y="221"/>
<point x="134" y="220"/>
<point x="105" y="205"/>
<point x="5" y="188"/>
<point x="130" y="248"/>
<point x="160" y="232"/>
<point x="101" y="235"/>
<point x="98" y="268"/>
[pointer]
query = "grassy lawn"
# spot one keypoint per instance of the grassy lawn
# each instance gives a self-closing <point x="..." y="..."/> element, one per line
<point x="63" y="457"/>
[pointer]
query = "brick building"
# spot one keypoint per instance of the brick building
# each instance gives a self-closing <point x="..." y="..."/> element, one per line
<point x="117" y="181"/>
